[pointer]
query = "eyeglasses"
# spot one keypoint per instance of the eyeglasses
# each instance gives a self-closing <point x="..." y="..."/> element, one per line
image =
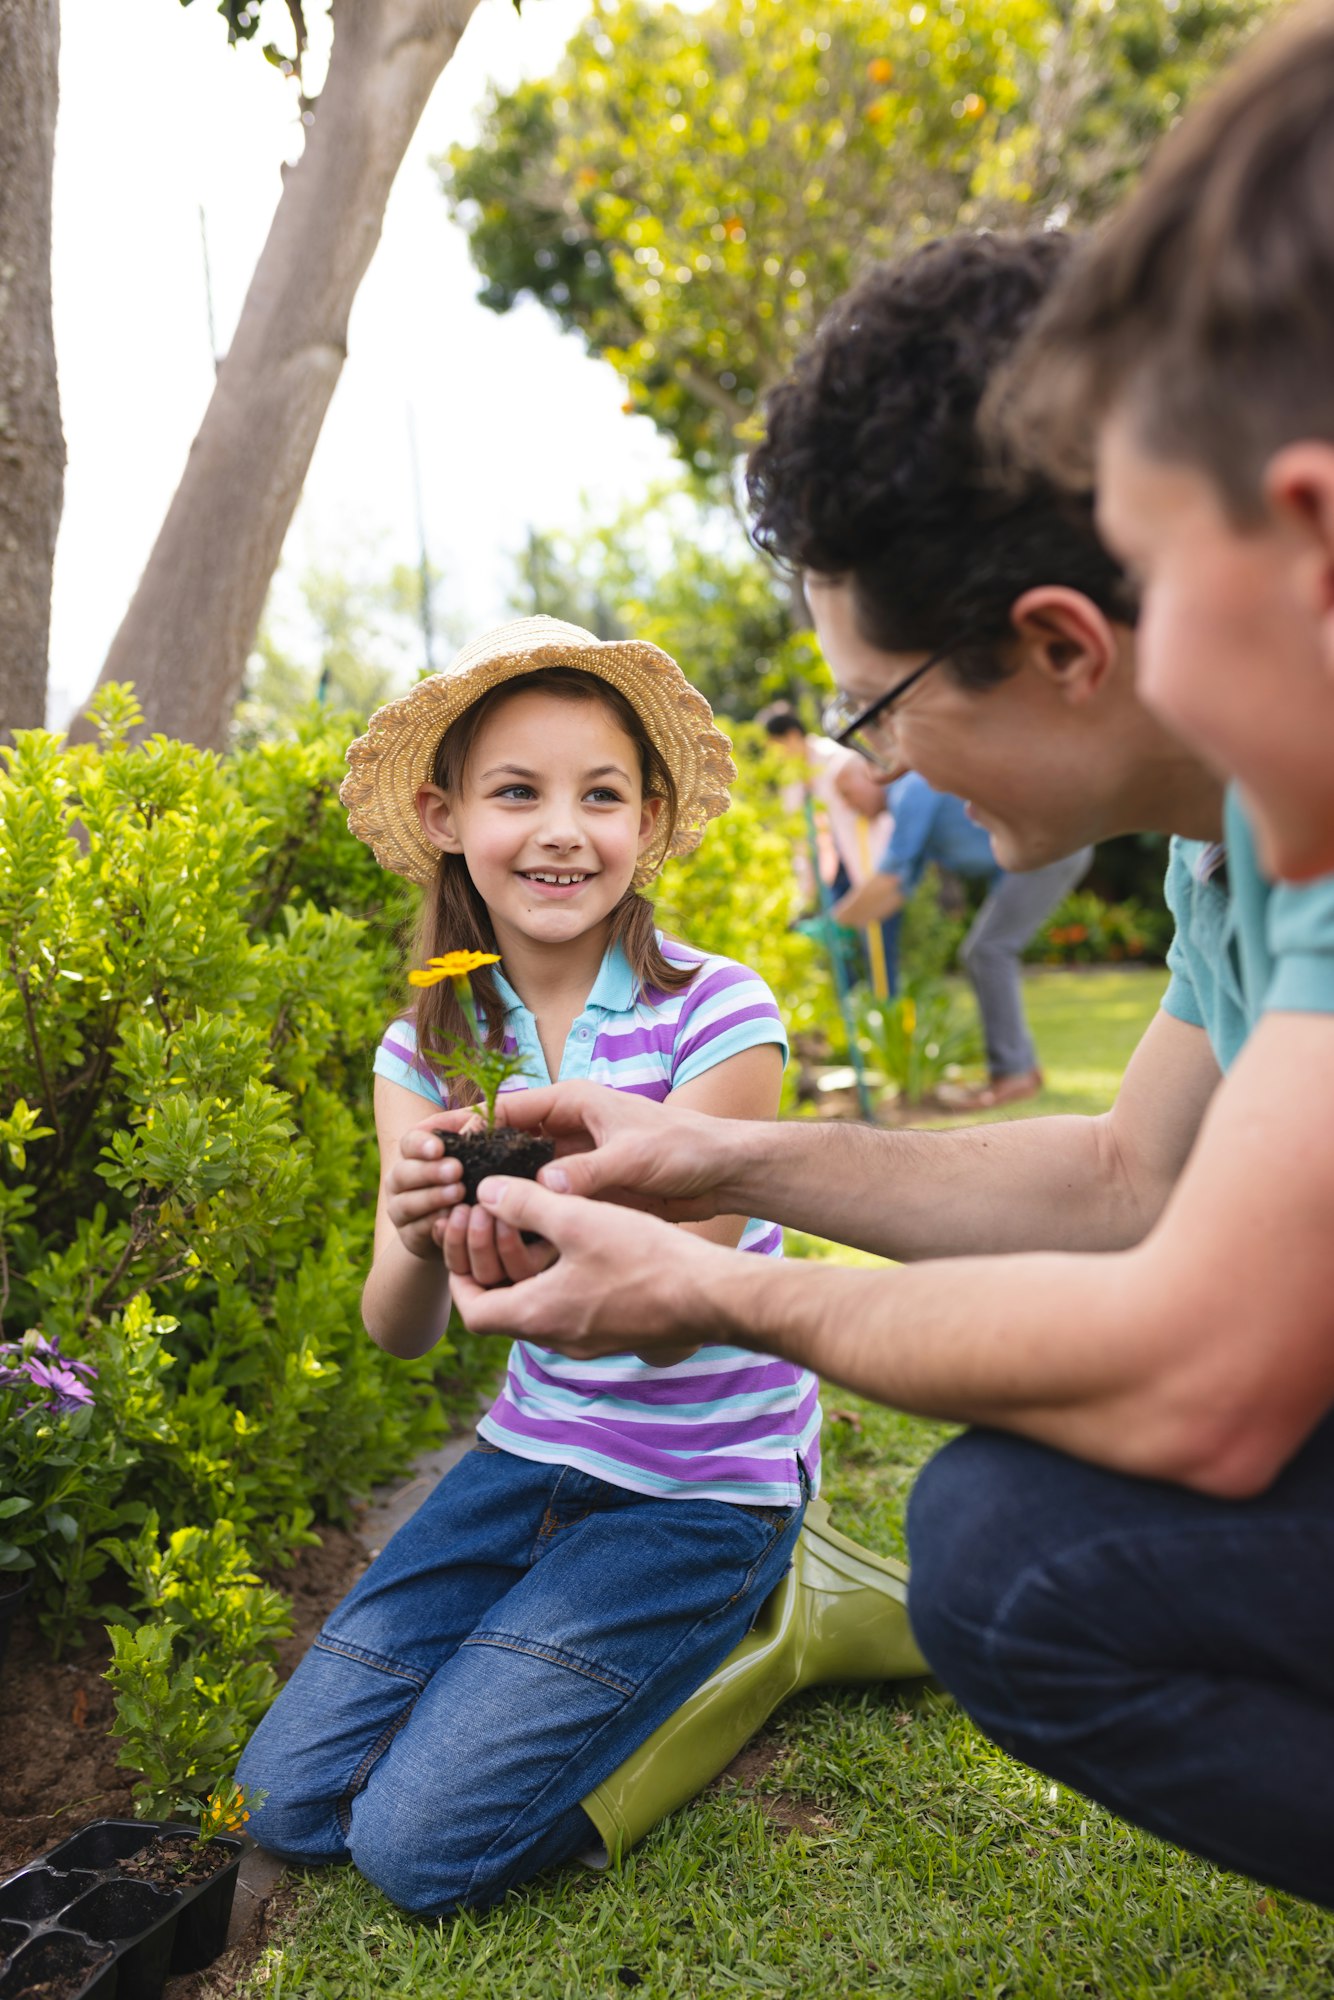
<point x="859" y="729"/>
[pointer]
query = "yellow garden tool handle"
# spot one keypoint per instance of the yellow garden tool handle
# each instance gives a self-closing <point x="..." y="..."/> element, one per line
<point x="875" y="940"/>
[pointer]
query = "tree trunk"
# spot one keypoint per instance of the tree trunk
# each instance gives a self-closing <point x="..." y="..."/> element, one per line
<point x="185" y="638"/>
<point x="32" y="447"/>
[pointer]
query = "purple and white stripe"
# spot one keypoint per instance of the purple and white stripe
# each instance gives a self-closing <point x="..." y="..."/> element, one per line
<point x="724" y="1424"/>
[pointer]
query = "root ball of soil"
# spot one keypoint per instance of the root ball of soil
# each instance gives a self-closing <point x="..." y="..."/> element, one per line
<point x="498" y="1152"/>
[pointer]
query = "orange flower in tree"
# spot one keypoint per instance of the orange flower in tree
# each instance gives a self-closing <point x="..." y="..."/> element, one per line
<point x="880" y="70"/>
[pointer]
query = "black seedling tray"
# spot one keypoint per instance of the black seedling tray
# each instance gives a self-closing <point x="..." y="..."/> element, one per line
<point x="75" y="1915"/>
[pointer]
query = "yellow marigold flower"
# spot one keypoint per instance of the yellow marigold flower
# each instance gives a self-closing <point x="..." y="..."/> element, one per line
<point x="454" y="965"/>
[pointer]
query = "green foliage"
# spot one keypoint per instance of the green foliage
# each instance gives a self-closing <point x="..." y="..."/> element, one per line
<point x="195" y="1676"/>
<point x="199" y="961"/>
<point x="1084" y="930"/>
<point x="63" y="1471"/>
<point x="914" y="1041"/>
<point x="691" y="189"/>
<point x="678" y="571"/>
<point x="347" y="635"/>
<point x="932" y="930"/>
<point x="737" y="893"/>
<point x="181" y="1716"/>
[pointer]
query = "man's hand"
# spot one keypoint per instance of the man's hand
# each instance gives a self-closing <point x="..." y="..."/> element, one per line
<point x="676" y="1163"/>
<point x="875" y="899"/>
<point x="620" y="1282"/>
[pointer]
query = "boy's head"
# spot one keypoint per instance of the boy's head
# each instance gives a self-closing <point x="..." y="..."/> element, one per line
<point x="1190" y="359"/>
<point x="878" y="482"/>
<point x="783" y="727"/>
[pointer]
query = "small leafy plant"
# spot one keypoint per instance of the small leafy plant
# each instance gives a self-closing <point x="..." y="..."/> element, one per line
<point x="488" y="1070"/>
<point x="916" y="1040"/>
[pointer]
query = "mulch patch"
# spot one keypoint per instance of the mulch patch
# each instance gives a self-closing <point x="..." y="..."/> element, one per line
<point x="58" y="1766"/>
<point x="753" y="1764"/>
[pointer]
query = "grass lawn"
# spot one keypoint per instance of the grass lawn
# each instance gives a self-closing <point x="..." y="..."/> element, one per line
<point x="1085" y="1023"/>
<point x="871" y="1843"/>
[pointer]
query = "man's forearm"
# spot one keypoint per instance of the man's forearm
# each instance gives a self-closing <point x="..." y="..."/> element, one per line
<point x="998" y="1341"/>
<point x="1033" y="1184"/>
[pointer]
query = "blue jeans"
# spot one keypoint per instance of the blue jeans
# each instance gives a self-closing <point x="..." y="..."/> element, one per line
<point x="1169" y="1655"/>
<point x="526" y="1630"/>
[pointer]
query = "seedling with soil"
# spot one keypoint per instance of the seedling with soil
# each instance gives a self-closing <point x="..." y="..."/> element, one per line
<point x="492" y="1148"/>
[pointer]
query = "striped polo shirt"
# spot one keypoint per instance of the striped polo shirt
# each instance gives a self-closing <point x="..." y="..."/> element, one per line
<point x="725" y="1424"/>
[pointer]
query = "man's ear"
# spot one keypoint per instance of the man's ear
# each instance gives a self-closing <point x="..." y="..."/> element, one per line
<point x="1066" y="637"/>
<point x="648" y="819"/>
<point x="1299" y="486"/>
<point x="437" y="821"/>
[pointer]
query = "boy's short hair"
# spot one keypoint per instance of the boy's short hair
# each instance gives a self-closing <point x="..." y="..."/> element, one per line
<point x="874" y="468"/>
<point x="1206" y="308"/>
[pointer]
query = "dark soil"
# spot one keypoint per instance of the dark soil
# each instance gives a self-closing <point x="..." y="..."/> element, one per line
<point x="59" y="1768"/>
<point x="173" y="1862"/>
<point x="67" y="1965"/>
<point x="498" y="1152"/>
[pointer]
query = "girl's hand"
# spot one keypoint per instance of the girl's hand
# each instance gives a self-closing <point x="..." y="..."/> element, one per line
<point x="479" y="1246"/>
<point x="422" y="1185"/>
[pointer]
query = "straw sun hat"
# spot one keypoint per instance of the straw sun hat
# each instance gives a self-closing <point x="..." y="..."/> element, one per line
<point x="396" y="755"/>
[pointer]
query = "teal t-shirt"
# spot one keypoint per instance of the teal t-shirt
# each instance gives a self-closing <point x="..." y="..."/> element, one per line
<point x="1244" y="946"/>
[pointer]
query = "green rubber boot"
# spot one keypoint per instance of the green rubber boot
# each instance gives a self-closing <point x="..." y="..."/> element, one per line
<point x="838" y="1616"/>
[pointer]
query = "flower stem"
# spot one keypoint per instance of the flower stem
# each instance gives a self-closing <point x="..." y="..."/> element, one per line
<point x="463" y="994"/>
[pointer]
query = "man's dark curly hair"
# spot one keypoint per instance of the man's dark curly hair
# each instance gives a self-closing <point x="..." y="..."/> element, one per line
<point x="876" y="469"/>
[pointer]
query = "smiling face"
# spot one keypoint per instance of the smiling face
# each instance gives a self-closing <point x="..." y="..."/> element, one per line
<point x="1236" y="639"/>
<point x="1045" y="757"/>
<point x="551" y="817"/>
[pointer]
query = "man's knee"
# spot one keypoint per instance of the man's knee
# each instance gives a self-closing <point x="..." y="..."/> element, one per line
<point x="985" y="954"/>
<point x="981" y="1523"/>
<point x="955" y="1573"/>
<point x="1019" y="1594"/>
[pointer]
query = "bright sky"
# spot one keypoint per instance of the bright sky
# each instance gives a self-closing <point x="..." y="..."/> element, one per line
<point x="514" y="422"/>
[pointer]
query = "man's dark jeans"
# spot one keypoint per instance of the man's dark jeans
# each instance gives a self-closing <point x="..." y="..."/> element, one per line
<point x="1169" y="1655"/>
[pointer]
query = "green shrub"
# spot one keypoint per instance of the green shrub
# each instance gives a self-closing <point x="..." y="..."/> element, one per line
<point x="738" y="894"/>
<point x="199" y="963"/>
<point x="932" y="931"/>
<point x="1083" y="930"/>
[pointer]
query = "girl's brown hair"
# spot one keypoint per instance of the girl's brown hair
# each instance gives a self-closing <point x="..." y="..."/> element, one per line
<point x="454" y="917"/>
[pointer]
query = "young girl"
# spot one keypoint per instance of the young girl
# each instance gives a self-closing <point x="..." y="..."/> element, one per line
<point x="616" y="1529"/>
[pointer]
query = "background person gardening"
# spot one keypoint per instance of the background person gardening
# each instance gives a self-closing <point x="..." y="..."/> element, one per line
<point x="928" y="826"/>
<point x="567" y="1587"/>
<point x="839" y="801"/>
<point x="1120" y="1571"/>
